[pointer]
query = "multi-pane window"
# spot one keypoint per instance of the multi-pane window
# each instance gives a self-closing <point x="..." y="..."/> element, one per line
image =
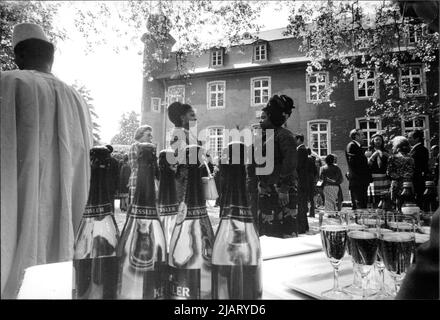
<point x="317" y="87"/>
<point x="365" y="84"/>
<point x="217" y="58"/>
<point x="260" y="52"/>
<point x="419" y="123"/>
<point x="260" y="91"/>
<point x="369" y="127"/>
<point x="215" y="141"/>
<point x="176" y="93"/>
<point x="216" y="94"/>
<point x="412" y="81"/>
<point x="155" y="104"/>
<point x="414" y="34"/>
<point x="319" y="137"/>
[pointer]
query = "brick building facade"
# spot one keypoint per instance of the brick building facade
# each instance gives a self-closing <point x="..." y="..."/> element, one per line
<point x="229" y="88"/>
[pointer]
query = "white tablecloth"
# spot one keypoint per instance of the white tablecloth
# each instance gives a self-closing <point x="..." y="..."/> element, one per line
<point x="290" y="266"/>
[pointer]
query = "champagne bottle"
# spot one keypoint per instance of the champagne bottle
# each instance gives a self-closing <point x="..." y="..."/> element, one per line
<point x="142" y="248"/>
<point x="168" y="203"/>
<point x="190" y="253"/>
<point x="95" y="264"/>
<point x="430" y="203"/>
<point x="236" y="256"/>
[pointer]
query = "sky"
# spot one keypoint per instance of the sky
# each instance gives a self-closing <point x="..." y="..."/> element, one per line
<point x="115" y="79"/>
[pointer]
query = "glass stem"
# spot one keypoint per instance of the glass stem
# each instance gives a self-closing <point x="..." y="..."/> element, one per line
<point x="364" y="284"/>
<point x="396" y="286"/>
<point x="382" y="280"/>
<point x="336" y="278"/>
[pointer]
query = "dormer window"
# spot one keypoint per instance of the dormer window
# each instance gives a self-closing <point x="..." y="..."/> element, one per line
<point x="415" y="34"/>
<point x="217" y="58"/>
<point x="260" y="52"/>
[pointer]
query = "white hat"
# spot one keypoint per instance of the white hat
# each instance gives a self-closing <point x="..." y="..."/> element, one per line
<point x="24" y="31"/>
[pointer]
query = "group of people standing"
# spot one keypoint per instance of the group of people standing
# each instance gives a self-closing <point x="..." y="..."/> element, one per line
<point x="381" y="171"/>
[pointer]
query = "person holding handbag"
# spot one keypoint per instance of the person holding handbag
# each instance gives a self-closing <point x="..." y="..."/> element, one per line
<point x="209" y="185"/>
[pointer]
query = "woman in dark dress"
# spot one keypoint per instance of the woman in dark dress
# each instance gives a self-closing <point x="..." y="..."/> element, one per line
<point x="182" y="116"/>
<point x="277" y="205"/>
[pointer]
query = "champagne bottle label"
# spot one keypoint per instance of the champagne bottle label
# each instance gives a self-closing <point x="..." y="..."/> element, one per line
<point x="183" y="283"/>
<point x="236" y="282"/>
<point x="144" y="212"/>
<point x="155" y="283"/>
<point x="239" y="213"/>
<point x="95" y="278"/>
<point x="96" y="211"/>
<point x="196" y="213"/>
<point x="168" y="210"/>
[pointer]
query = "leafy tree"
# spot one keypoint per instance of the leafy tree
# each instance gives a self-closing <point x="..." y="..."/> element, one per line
<point x="190" y="23"/>
<point x="127" y="127"/>
<point x="85" y="93"/>
<point x="14" y="12"/>
<point x="342" y="36"/>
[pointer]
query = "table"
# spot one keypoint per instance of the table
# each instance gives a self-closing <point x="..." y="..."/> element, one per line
<point x="287" y="263"/>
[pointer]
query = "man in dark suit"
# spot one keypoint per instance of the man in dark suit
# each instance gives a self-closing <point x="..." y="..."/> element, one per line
<point x="420" y="154"/>
<point x="359" y="175"/>
<point x="304" y="178"/>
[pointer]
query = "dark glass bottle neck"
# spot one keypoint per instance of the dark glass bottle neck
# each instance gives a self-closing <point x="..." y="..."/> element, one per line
<point x="98" y="201"/>
<point x="144" y="201"/>
<point x="235" y="203"/>
<point x="194" y="196"/>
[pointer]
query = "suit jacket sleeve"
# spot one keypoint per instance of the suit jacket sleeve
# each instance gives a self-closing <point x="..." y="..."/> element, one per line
<point x="352" y="156"/>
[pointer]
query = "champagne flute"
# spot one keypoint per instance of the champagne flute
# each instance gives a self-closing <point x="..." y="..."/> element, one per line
<point x="354" y="223"/>
<point x="398" y="248"/>
<point x="363" y="251"/>
<point x="334" y="243"/>
<point x="382" y="293"/>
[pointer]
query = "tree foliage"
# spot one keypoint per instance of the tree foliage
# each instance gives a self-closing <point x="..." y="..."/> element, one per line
<point x="85" y="93"/>
<point x="345" y="36"/>
<point x="195" y="25"/>
<point x="127" y="127"/>
<point x="14" y="12"/>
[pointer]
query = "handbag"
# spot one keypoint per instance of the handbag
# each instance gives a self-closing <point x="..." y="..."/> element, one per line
<point x="209" y="187"/>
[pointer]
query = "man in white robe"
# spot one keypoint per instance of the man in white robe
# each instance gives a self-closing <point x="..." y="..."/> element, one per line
<point x="46" y="135"/>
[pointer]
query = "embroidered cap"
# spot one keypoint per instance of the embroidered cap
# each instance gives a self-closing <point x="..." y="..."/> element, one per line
<point x="25" y="31"/>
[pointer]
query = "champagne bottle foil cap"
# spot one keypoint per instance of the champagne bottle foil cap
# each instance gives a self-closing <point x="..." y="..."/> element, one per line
<point x="145" y="193"/>
<point x="168" y="201"/>
<point x="194" y="195"/>
<point x="99" y="157"/>
<point x="234" y="201"/>
<point x="100" y="175"/>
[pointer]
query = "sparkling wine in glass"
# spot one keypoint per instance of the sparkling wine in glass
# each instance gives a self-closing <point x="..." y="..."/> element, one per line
<point x="355" y="224"/>
<point x="397" y="249"/>
<point x="382" y="294"/>
<point x="364" y="247"/>
<point x="334" y="243"/>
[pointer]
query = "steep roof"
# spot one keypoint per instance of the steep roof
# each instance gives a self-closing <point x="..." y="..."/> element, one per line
<point x="269" y="35"/>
